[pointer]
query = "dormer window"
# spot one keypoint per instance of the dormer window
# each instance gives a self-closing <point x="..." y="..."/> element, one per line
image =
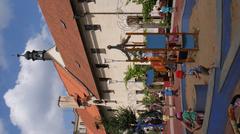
<point x="56" y="49"/>
<point x="87" y="1"/>
<point x="102" y="65"/>
<point x="78" y="64"/>
<point x="92" y="27"/>
<point x="104" y="79"/>
<point x="98" y="50"/>
<point x="63" y="24"/>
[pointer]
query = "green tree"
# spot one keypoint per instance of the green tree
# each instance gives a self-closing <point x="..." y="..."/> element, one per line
<point x="147" y="7"/>
<point x="149" y="98"/>
<point x="123" y="120"/>
<point x="153" y="114"/>
<point x="135" y="71"/>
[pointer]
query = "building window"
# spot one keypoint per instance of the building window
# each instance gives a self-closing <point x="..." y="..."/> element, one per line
<point x="104" y="79"/>
<point x="78" y="64"/>
<point x="92" y="27"/>
<point x="108" y="91"/>
<point x="63" y="24"/>
<point x="111" y="110"/>
<point x="139" y="91"/>
<point x="87" y="1"/>
<point x="97" y="125"/>
<point x="98" y="50"/>
<point x="102" y="65"/>
<point x="56" y="49"/>
<point x="110" y="101"/>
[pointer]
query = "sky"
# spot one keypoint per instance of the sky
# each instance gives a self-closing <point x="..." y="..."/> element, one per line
<point x="29" y="90"/>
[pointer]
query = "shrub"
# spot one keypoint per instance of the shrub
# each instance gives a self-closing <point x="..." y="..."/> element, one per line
<point x="121" y="121"/>
<point x="147" y="7"/>
<point x="135" y="71"/>
<point x="149" y="98"/>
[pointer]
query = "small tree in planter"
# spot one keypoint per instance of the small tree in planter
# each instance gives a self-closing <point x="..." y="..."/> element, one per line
<point x="137" y="72"/>
<point x="147" y="7"/>
<point x="149" y="98"/>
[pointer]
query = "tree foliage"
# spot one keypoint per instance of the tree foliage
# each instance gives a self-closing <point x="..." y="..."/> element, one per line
<point x="149" y="98"/>
<point x="135" y="72"/>
<point x="149" y="114"/>
<point x="121" y="121"/>
<point x="147" y="7"/>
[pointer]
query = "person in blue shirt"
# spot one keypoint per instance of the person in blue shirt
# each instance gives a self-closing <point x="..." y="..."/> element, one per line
<point x="169" y="92"/>
<point x="199" y="70"/>
<point x="165" y="9"/>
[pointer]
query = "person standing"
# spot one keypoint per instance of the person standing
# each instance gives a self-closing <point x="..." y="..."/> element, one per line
<point x="199" y="70"/>
<point x="191" y="120"/>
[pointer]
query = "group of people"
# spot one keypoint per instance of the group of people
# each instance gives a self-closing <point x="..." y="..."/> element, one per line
<point x="190" y="119"/>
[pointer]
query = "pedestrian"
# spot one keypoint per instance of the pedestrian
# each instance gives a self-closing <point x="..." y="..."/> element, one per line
<point x="180" y="74"/>
<point x="165" y="9"/>
<point x="195" y="71"/>
<point x="169" y="92"/>
<point x="199" y="70"/>
<point x="191" y="120"/>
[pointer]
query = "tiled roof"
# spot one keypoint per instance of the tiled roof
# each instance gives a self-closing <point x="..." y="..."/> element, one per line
<point x="90" y="115"/>
<point x="77" y="75"/>
<point x="64" y="29"/>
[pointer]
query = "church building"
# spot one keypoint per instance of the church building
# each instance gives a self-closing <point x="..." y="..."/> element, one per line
<point x="92" y="74"/>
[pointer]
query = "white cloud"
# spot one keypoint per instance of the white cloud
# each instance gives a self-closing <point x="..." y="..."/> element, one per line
<point x="2" y="128"/>
<point x="5" y="17"/>
<point x="33" y="100"/>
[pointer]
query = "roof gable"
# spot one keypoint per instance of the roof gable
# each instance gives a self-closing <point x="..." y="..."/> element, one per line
<point x="90" y="115"/>
<point x="64" y="29"/>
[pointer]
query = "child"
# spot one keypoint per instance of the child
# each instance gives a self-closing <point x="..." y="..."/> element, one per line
<point x="165" y="9"/>
<point x="190" y="120"/>
<point x="199" y="70"/>
<point x="169" y="92"/>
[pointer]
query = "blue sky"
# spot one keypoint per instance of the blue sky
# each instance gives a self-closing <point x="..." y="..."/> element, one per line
<point x="29" y="90"/>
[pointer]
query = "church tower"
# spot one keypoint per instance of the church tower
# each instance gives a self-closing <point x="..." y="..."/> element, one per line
<point x="36" y="55"/>
<point x="50" y="54"/>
